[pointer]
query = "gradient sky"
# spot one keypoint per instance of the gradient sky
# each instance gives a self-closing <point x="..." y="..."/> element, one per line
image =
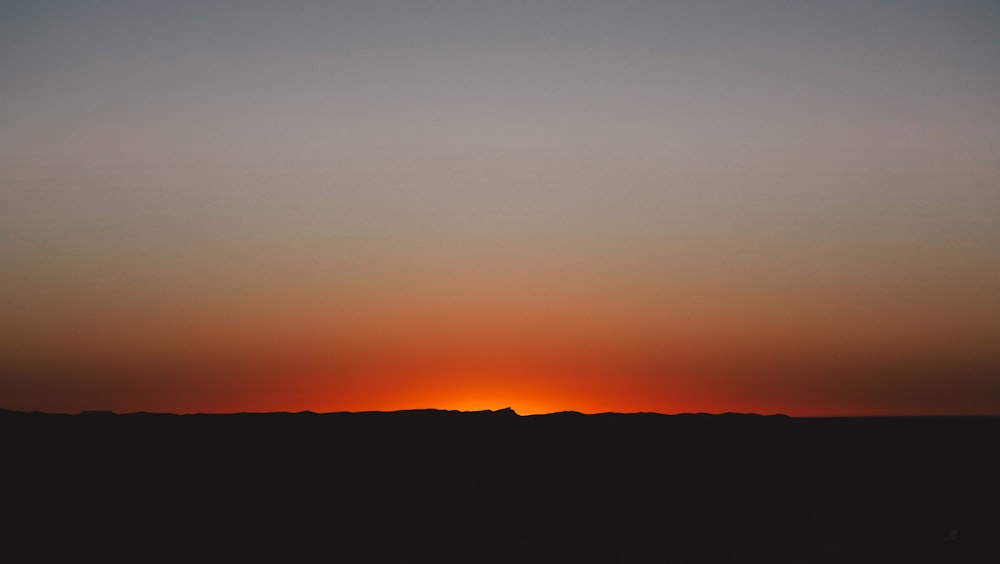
<point x="780" y="206"/>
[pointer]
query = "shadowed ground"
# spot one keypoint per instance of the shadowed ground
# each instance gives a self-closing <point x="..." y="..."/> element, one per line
<point x="436" y="486"/>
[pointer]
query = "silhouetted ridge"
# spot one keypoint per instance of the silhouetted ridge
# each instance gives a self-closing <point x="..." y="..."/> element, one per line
<point x="562" y="414"/>
<point x="566" y="486"/>
<point x="506" y="412"/>
<point x="431" y="412"/>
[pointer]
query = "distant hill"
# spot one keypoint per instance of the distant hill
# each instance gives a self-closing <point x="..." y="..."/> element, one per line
<point x="450" y="486"/>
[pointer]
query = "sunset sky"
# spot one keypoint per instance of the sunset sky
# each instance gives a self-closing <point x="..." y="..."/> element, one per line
<point x="672" y="206"/>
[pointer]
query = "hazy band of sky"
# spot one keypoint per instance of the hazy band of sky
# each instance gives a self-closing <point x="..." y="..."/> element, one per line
<point x="797" y="202"/>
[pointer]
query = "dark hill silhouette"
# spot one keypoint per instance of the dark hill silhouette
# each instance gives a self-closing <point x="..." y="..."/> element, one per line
<point x="450" y="486"/>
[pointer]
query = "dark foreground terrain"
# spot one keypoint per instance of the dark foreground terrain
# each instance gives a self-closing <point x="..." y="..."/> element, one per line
<point x="435" y="486"/>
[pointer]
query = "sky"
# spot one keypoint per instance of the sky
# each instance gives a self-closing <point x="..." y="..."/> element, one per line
<point x="672" y="206"/>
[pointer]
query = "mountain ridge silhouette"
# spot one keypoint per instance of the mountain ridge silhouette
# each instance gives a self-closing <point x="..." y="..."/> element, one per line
<point x="421" y="485"/>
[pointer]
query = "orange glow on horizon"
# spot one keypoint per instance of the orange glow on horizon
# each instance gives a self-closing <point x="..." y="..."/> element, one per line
<point x="586" y="376"/>
<point x="526" y="392"/>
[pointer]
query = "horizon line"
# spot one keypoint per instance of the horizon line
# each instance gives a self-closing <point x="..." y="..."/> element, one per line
<point x="507" y="411"/>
